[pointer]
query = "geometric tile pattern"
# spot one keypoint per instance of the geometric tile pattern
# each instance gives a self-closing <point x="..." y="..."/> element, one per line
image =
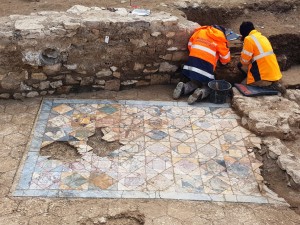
<point x="169" y="150"/>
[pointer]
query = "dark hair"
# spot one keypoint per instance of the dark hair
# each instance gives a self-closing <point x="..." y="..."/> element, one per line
<point x="246" y="28"/>
<point x="221" y="28"/>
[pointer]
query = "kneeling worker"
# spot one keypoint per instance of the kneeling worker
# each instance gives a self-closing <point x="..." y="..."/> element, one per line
<point x="258" y="55"/>
<point x="207" y="45"/>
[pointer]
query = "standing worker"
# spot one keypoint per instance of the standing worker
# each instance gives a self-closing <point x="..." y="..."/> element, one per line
<point x="258" y="55"/>
<point x="207" y="45"/>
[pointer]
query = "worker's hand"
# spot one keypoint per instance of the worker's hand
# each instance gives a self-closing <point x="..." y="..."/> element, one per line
<point x="222" y="65"/>
<point x="239" y="65"/>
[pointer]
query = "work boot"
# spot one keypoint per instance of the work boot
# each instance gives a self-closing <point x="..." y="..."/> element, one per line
<point x="195" y="96"/>
<point x="277" y="87"/>
<point x="178" y="91"/>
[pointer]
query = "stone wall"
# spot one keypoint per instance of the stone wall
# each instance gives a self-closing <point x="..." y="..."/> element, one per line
<point x="89" y="49"/>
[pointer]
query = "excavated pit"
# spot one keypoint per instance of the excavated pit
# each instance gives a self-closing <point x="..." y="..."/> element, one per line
<point x="124" y="218"/>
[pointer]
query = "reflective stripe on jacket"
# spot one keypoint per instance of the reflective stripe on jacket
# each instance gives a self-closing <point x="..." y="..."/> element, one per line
<point x="208" y="44"/>
<point x="258" y="52"/>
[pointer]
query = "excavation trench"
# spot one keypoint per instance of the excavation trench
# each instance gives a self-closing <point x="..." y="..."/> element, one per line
<point x="279" y="23"/>
<point x="276" y="21"/>
<point x="279" y="181"/>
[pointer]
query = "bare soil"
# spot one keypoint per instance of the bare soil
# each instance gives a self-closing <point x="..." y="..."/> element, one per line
<point x="100" y="147"/>
<point x="62" y="151"/>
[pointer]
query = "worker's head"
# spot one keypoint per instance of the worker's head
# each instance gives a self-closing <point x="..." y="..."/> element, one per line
<point x="246" y="28"/>
<point x="221" y="28"/>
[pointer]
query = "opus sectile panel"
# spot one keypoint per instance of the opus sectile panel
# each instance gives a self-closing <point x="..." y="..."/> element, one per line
<point x="167" y="150"/>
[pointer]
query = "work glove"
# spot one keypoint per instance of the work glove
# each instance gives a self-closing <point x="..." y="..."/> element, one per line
<point x="239" y="65"/>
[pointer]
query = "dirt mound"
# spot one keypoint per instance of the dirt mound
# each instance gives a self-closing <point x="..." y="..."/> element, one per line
<point x="125" y="218"/>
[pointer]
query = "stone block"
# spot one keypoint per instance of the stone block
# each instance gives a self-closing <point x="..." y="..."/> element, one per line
<point x="167" y="67"/>
<point x="100" y="82"/>
<point x="166" y="57"/>
<point x="52" y="69"/>
<point x="4" y="96"/>
<point x="43" y="93"/>
<point x="31" y="58"/>
<point x="44" y="85"/>
<point x="32" y="94"/>
<point x="170" y="34"/>
<point x="32" y="23"/>
<point x="172" y="49"/>
<point x="142" y="83"/>
<point x="87" y="81"/>
<point x="71" y="66"/>
<point x="114" y="68"/>
<point x="13" y="80"/>
<point x="172" y="20"/>
<point x="179" y="56"/>
<point x="2" y="76"/>
<point x="103" y="73"/>
<point x="18" y="96"/>
<point x="148" y="70"/>
<point x="35" y="85"/>
<point x="59" y="77"/>
<point x="58" y="31"/>
<point x="70" y="25"/>
<point x="128" y="82"/>
<point x="138" y="43"/>
<point x="25" y="87"/>
<point x="38" y="76"/>
<point x="70" y="80"/>
<point x="98" y="86"/>
<point x="78" y="9"/>
<point x="160" y="79"/>
<point x="56" y="84"/>
<point x="63" y="89"/>
<point x="155" y="34"/>
<point x="170" y="42"/>
<point x="138" y="66"/>
<point x="112" y="85"/>
<point x="117" y="74"/>
<point x="96" y="32"/>
<point x="291" y="167"/>
<point x="275" y="147"/>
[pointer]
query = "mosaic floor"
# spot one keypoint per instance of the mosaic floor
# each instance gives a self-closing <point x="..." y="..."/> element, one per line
<point x="168" y="150"/>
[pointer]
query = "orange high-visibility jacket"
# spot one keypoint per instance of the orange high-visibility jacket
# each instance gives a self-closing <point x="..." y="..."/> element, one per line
<point x="258" y="52"/>
<point x="210" y="44"/>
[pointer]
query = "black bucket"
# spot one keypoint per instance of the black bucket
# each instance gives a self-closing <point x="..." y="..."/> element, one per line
<point x="219" y="91"/>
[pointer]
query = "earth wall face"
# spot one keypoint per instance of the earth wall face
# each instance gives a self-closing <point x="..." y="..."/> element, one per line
<point x="89" y="48"/>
